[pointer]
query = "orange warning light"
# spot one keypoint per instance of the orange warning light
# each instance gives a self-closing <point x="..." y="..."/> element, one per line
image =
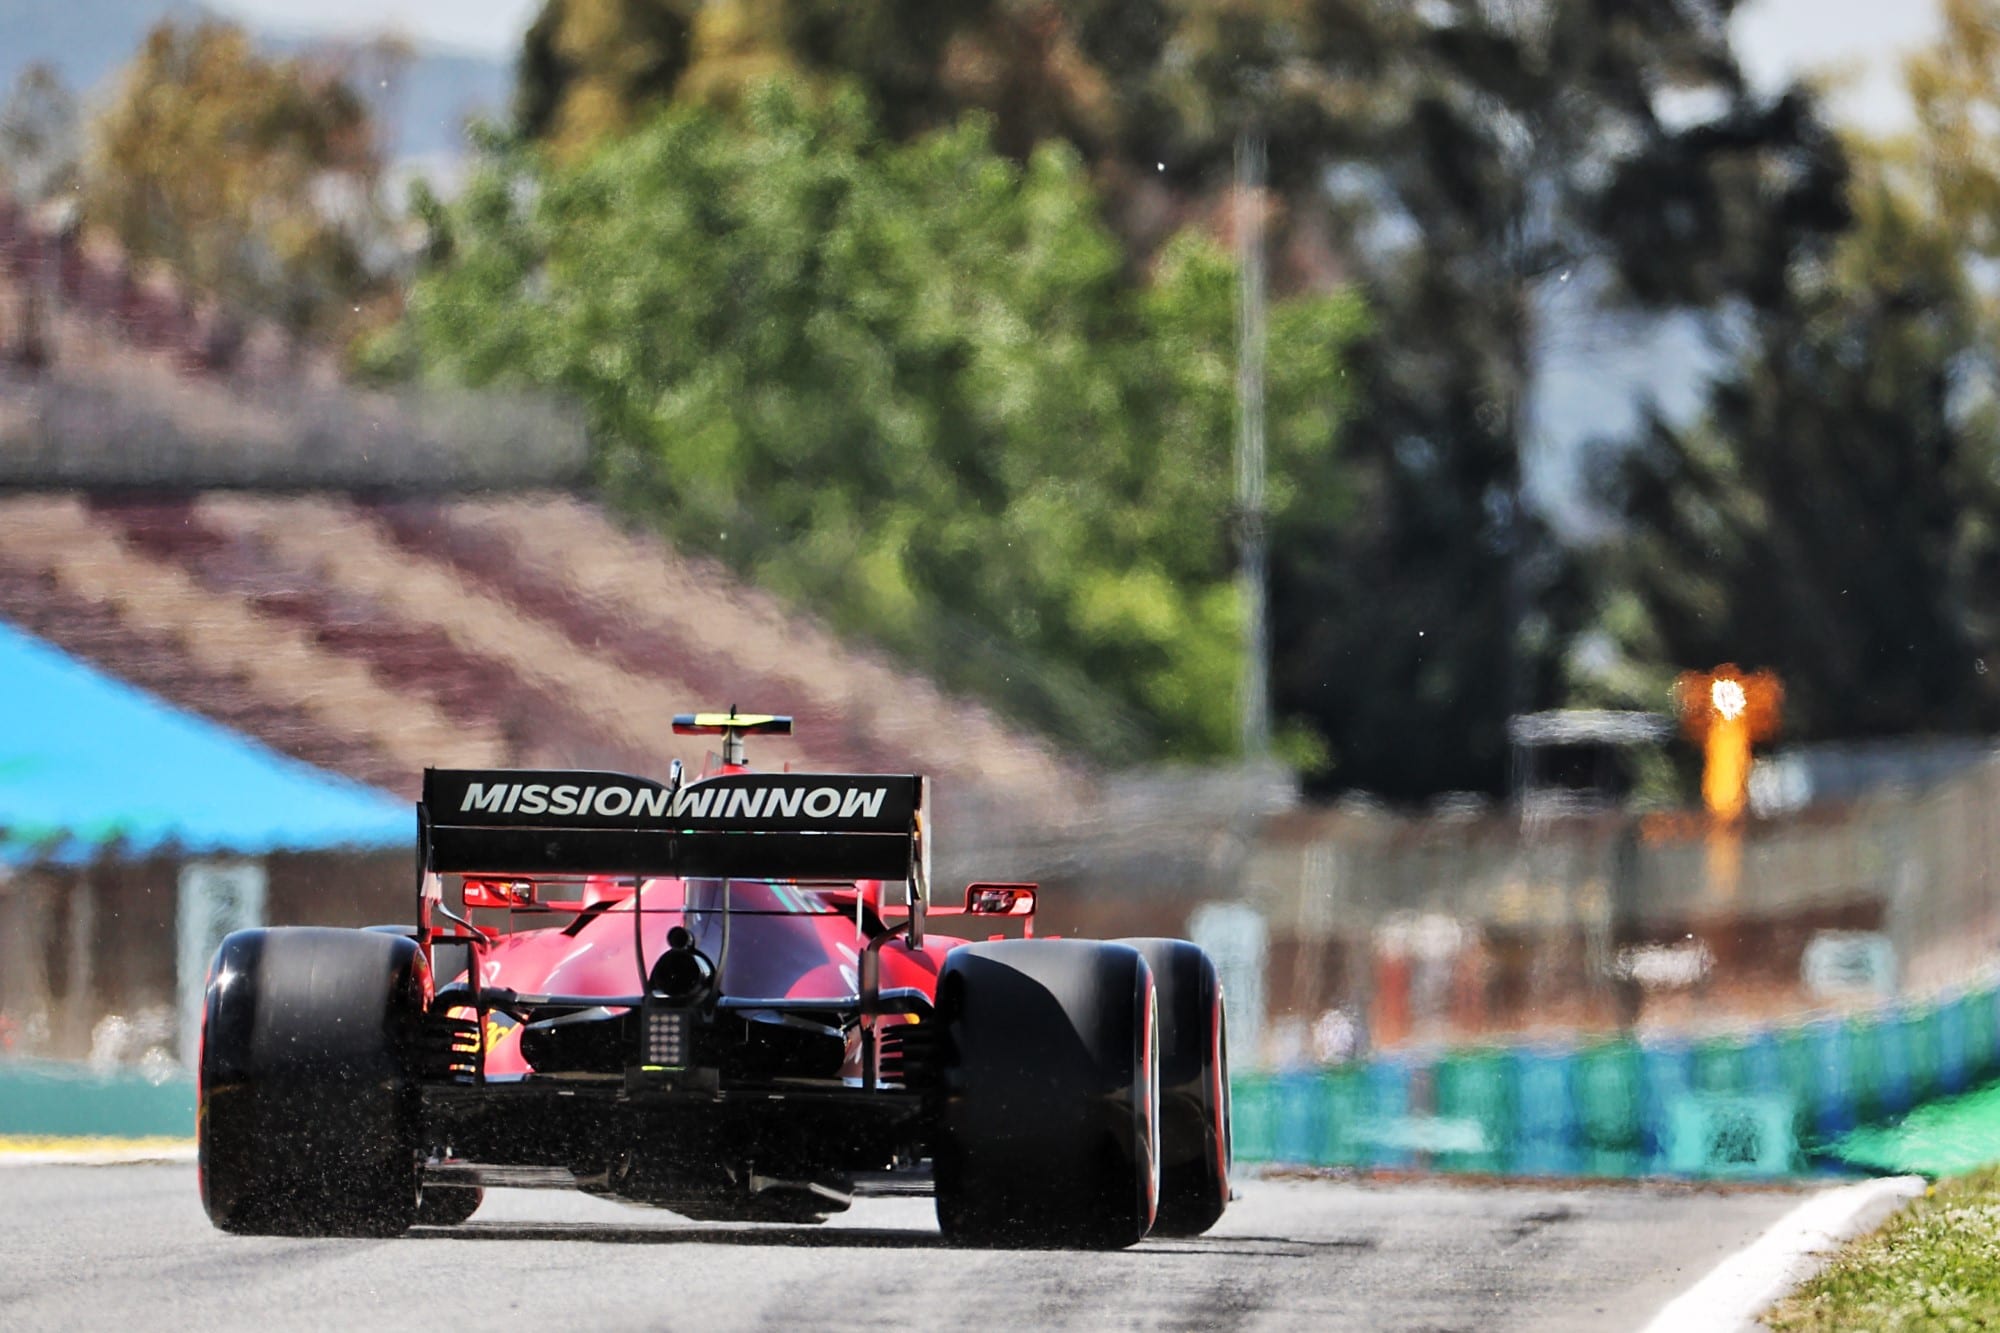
<point x="1726" y="711"/>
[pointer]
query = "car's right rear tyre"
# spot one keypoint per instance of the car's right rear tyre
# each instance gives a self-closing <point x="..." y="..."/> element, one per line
<point x="1195" y="1156"/>
<point x="308" y="1122"/>
<point x="1048" y="1131"/>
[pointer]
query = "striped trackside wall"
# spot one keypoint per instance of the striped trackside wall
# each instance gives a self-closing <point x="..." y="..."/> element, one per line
<point x="537" y="728"/>
<point x="61" y="541"/>
<point x="340" y="542"/>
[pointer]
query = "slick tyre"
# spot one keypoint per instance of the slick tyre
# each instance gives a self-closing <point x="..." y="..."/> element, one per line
<point x="1195" y="1156"/>
<point x="309" y="1100"/>
<point x="448" y="961"/>
<point x="1048" y="1127"/>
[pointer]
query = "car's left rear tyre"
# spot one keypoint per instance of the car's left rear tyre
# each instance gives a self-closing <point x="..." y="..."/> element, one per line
<point x="310" y="1106"/>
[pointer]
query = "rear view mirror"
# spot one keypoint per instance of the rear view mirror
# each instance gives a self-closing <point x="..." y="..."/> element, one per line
<point x="499" y="893"/>
<point x="998" y="899"/>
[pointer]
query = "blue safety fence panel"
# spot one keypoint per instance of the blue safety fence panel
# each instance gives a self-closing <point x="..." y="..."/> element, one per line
<point x="1724" y="1135"/>
<point x="1719" y="1066"/>
<point x="1472" y="1095"/>
<point x="1666" y="1074"/>
<point x="1388" y="1112"/>
<point x="1894" y="1093"/>
<point x="1546" y="1133"/>
<point x="1253" y="1118"/>
<point x="1342" y="1139"/>
<point x="1544" y="1101"/>
<point x="1835" y="1094"/>
<point x="1764" y="1065"/>
<point x="1793" y="1048"/>
<point x="1925" y="1042"/>
<point x="1751" y="1104"/>
<point x="1607" y="1085"/>
<point x="1301" y="1111"/>
<point x="1982" y="1035"/>
<point x="1954" y="1054"/>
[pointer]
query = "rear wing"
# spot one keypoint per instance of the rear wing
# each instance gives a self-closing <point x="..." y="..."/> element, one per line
<point x="742" y="825"/>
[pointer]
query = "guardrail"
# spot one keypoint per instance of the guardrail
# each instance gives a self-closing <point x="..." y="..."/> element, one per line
<point x="1766" y="1102"/>
<point x="45" y="1097"/>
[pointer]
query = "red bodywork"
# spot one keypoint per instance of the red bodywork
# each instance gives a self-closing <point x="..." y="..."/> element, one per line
<point x="761" y="1046"/>
<point x="772" y="952"/>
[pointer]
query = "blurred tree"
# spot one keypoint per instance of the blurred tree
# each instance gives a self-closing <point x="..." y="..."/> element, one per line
<point x="40" y="136"/>
<point x="588" y="67"/>
<point x="1832" y="517"/>
<point x="1509" y="151"/>
<point x="1835" y="515"/>
<point x="251" y="178"/>
<point x="1948" y="165"/>
<point x="1142" y="88"/>
<point x="907" y="384"/>
<point x="1461" y="160"/>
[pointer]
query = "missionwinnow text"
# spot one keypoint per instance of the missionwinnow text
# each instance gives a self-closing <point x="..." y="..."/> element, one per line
<point x="697" y="802"/>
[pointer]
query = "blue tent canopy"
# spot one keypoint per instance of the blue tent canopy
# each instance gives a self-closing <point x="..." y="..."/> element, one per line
<point x="87" y="760"/>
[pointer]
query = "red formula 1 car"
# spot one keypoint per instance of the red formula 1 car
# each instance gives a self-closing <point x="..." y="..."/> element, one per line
<point x="720" y="996"/>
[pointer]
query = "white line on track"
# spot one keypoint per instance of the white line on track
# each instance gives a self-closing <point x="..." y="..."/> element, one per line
<point x="1740" y="1288"/>
<point x="133" y="1154"/>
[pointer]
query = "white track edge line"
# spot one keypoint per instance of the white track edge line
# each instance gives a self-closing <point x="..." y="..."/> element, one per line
<point x="176" y="1154"/>
<point x="1743" y="1286"/>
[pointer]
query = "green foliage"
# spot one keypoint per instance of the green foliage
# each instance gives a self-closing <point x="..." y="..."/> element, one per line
<point x="589" y="67"/>
<point x="1455" y="161"/>
<point x="907" y="383"/>
<point x="235" y="171"/>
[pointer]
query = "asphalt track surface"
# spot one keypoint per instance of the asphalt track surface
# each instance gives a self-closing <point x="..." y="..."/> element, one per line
<point x="128" y="1247"/>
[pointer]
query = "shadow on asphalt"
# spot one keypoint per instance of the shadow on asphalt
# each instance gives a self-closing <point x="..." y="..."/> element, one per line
<point x="776" y="1235"/>
<point x="693" y="1234"/>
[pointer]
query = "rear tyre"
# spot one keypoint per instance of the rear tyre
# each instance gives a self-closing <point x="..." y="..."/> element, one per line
<point x="310" y="1104"/>
<point x="448" y="961"/>
<point x="1195" y="1156"/>
<point x="448" y="1205"/>
<point x="1048" y="1125"/>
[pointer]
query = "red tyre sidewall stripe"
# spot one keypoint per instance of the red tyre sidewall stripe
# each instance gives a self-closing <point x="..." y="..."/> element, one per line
<point x="1149" y="1069"/>
<point x="1221" y="1093"/>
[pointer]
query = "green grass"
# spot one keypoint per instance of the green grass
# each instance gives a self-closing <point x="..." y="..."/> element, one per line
<point x="1940" y="1139"/>
<point x="1935" y="1265"/>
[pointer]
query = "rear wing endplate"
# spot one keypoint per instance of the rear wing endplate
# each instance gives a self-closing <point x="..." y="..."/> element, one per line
<point x="743" y="825"/>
